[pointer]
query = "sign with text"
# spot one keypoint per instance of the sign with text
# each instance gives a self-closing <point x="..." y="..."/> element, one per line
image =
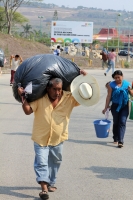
<point x="72" y="32"/>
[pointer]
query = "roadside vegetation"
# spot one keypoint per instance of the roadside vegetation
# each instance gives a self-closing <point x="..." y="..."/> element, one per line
<point x="17" y="25"/>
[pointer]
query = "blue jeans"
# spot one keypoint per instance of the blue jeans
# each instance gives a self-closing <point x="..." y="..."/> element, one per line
<point x="119" y="122"/>
<point x="111" y="66"/>
<point x="47" y="162"/>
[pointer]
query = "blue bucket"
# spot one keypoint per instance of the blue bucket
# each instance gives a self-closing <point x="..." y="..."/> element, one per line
<point x="102" y="131"/>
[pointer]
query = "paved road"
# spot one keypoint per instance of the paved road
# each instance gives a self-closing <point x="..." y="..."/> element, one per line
<point x="92" y="168"/>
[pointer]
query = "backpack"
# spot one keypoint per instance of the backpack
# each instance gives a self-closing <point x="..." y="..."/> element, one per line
<point x="105" y="56"/>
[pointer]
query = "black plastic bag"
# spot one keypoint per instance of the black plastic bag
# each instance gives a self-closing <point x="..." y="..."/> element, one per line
<point x="1" y="58"/>
<point x="39" y="70"/>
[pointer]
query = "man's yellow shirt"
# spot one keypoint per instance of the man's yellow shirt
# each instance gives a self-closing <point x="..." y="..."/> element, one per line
<point x="50" y="125"/>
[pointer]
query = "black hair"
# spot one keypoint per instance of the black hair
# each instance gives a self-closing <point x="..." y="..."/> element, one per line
<point x="117" y="72"/>
<point x="113" y="50"/>
<point x="16" y="56"/>
<point x="54" y="80"/>
<point x="107" y="83"/>
<point x="58" y="47"/>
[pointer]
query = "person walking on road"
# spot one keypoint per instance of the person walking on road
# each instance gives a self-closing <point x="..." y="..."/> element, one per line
<point x="1" y="65"/>
<point x="57" y="51"/>
<point x="111" y="62"/>
<point x="50" y="128"/>
<point x="104" y="54"/>
<point x="118" y="93"/>
<point x="2" y="60"/>
<point x="15" y="61"/>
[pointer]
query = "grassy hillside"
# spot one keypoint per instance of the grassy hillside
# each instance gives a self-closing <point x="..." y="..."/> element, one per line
<point x="25" y="48"/>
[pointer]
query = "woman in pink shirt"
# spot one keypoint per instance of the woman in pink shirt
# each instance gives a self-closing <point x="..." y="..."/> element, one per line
<point x="111" y="62"/>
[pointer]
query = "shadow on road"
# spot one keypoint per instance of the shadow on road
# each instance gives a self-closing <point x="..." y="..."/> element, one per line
<point x="10" y="103"/>
<point x="92" y="142"/>
<point x="111" y="172"/>
<point x="5" y="85"/>
<point x="26" y="134"/>
<point x="9" y="191"/>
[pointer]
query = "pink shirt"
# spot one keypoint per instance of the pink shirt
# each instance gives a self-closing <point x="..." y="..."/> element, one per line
<point x="111" y="56"/>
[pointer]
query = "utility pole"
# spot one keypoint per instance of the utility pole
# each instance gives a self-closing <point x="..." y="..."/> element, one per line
<point x="40" y="17"/>
<point x="55" y="16"/>
<point x="118" y="30"/>
<point x="118" y="36"/>
<point x="128" y="57"/>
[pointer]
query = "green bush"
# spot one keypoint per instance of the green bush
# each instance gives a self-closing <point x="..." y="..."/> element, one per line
<point x="126" y="64"/>
<point x="6" y="51"/>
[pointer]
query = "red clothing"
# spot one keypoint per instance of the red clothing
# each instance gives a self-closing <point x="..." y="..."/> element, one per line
<point x="12" y="76"/>
<point x="111" y="56"/>
<point x="104" y="56"/>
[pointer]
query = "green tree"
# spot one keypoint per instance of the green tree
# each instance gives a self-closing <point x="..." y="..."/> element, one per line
<point x="36" y="34"/>
<point x="27" y="30"/>
<point x="45" y="39"/>
<point x="10" y="7"/>
<point x="95" y="42"/>
<point x="17" y="18"/>
<point x="2" y="19"/>
<point x="114" y="43"/>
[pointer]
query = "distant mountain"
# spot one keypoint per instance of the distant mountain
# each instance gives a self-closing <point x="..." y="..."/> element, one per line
<point x="101" y="18"/>
<point x="39" y="4"/>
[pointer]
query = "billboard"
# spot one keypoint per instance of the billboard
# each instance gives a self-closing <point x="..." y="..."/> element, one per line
<point x="72" y="32"/>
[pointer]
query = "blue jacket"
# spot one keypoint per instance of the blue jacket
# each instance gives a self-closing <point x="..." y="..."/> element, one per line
<point x="120" y="95"/>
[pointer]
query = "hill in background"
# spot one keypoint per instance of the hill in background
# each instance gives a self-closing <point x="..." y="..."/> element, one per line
<point x="101" y="18"/>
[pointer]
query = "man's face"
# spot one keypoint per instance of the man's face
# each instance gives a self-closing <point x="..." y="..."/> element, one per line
<point x="55" y="91"/>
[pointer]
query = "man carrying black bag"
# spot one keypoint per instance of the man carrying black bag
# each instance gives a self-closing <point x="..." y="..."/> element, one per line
<point x="52" y="113"/>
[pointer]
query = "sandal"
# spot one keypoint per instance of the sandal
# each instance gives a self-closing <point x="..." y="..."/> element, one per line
<point x="44" y="195"/>
<point x="52" y="188"/>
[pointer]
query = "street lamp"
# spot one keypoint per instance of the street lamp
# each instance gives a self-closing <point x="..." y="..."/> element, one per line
<point x="118" y="15"/>
<point x="40" y="17"/>
<point x="128" y="57"/>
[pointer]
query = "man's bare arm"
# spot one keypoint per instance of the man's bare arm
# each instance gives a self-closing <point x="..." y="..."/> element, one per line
<point x="21" y="60"/>
<point x="25" y="105"/>
<point x="11" y="57"/>
<point x="108" y="98"/>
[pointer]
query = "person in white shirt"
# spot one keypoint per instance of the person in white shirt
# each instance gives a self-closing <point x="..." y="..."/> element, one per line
<point x="15" y="61"/>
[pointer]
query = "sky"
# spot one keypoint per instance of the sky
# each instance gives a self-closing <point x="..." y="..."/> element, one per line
<point x="104" y="4"/>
